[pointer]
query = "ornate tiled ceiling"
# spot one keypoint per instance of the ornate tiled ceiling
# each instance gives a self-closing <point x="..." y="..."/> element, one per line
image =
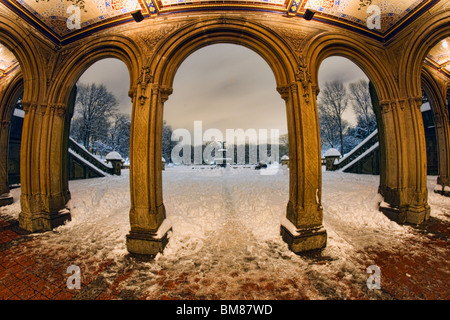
<point x="50" y="16"/>
<point x="8" y="61"/>
<point x="439" y="56"/>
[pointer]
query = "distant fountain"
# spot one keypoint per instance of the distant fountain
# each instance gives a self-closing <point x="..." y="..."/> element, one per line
<point x="222" y="161"/>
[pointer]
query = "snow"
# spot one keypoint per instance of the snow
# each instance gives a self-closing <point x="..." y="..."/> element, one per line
<point x="370" y="136"/>
<point x="362" y="155"/>
<point x="425" y="107"/>
<point x="285" y="157"/>
<point x="19" y="113"/>
<point x="226" y="229"/>
<point x="332" y="152"/>
<point x="113" y="155"/>
<point x="80" y="158"/>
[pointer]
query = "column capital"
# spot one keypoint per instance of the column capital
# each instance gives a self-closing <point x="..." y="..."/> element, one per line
<point x="415" y="101"/>
<point x="284" y="92"/>
<point x="387" y="106"/>
<point x="58" y="108"/>
<point x="28" y="105"/>
<point x="164" y="93"/>
<point x="5" y="124"/>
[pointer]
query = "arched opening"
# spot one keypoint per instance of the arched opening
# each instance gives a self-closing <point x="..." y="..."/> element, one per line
<point x="11" y="119"/>
<point x="96" y="138"/>
<point x="348" y="102"/>
<point x="224" y="98"/>
<point x="430" y="135"/>
<point x="101" y="116"/>
<point x="347" y="118"/>
<point x="434" y="78"/>
<point x="149" y="226"/>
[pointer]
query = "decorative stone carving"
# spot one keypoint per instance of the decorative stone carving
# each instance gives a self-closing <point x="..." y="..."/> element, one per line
<point x="145" y="79"/>
<point x="294" y="87"/>
<point x="150" y="39"/>
<point x="164" y="93"/>
<point x="294" y="37"/>
<point x="284" y="92"/>
<point x="304" y="77"/>
<point x="415" y="101"/>
<point x="401" y="104"/>
<point x="43" y="109"/>
<point x="386" y="106"/>
<point x="60" y="110"/>
<point x="5" y="124"/>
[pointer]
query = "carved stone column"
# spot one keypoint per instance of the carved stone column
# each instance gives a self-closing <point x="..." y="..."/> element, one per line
<point x="5" y="196"/>
<point x="42" y="199"/>
<point x="442" y="123"/>
<point x="149" y="226"/>
<point x="302" y="229"/>
<point x="403" y="184"/>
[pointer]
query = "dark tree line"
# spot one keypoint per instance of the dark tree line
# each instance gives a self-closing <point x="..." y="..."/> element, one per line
<point x="101" y="128"/>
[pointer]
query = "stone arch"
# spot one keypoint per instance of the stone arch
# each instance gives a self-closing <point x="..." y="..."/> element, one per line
<point x="327" y="45"/>
<point x="402" y="184"/>
<point x="54" y="192"/>
<point x="427" y="35"/>
<point x="25" y="46"/>
<point x="430" y="32"/>
<point x="10" y="96"/>
<point x="302" y="228"/>
<point x="19" y="42"/>
<point x="441" y="119"/>
<point x="80" y="58"/>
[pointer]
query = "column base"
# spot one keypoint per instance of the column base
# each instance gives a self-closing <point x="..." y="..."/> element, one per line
<point x="39" y="222"/>
<point x="442" y="190"/>
<point x="409" y="215"/>
<point x="6" y="199"/>
<point x="303" y="240"/>
<point x="148" y="243"/>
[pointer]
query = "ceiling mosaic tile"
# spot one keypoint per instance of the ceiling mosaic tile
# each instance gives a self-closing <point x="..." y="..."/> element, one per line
<point x="355" y="11"/>
<point x="7" y="59"/>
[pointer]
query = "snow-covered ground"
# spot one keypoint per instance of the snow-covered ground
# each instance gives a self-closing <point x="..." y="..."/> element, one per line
<point x="226" y="231"/>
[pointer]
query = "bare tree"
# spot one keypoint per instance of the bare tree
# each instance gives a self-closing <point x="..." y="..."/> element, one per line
<point x="332" y="105"/>
<point x="328" y="133"/>
<point x="119" y="134"/>
<point x="94" y="106"/>
<point x="284" y="144"/>
<point x="362" y="105"/>
<point x="167" y="142"/>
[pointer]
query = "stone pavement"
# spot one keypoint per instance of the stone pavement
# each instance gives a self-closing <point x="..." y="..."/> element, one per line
<point x="30" y="272"/>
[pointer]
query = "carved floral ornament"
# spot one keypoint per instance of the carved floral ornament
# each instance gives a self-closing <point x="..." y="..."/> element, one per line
<point x="304" y="77"/>
<point x="284" y="92"/>
<point x="145" y="78"/>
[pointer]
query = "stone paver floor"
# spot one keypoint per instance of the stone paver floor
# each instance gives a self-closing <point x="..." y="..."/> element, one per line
<point x="28" y="272"/>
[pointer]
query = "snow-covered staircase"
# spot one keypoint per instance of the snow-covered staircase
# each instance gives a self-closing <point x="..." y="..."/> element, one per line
<point x="364" y="158"/>
<point x="84" y="165"/>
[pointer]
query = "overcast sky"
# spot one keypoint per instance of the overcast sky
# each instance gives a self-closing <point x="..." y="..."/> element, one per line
<point x="225" y="86"/>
